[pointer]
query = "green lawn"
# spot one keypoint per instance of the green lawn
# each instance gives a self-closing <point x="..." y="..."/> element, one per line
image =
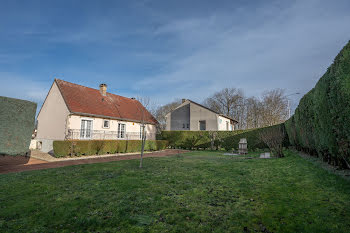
<point x="194" y="192"/>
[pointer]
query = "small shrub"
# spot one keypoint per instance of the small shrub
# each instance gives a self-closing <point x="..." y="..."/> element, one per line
<point x="83" y="148"/>
<point x="273" y="138"/>
<point x="161" y="144"/>
<point x="150" y="145"/>
<point x="61" y="148"/>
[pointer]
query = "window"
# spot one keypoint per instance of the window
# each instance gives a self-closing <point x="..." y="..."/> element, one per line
<point x="106" y="124"/>
<point x="188" y="126"/>
<point x="183" y="125"/>
<point x="121" y="130"/>
<point x="202" y="125"/>
<point x="86" y="128"/>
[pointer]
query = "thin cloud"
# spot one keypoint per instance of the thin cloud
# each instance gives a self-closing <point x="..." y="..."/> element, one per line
<point x="23" y="87"/>
<point x="169" y="51"/>
<point x="285" y="51"/>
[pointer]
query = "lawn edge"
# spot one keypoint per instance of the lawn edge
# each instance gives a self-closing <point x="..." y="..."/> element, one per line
<point x="344" y="173"/>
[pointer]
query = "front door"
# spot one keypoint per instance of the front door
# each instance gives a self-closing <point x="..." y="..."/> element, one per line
<point x="85" y="131"/>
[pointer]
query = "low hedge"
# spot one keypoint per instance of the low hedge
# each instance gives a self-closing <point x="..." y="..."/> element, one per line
<point x="252" y="136"/>
<point x="98" y="147"/>
<point x="223" y="139"/>
<point x="196" y="139"/>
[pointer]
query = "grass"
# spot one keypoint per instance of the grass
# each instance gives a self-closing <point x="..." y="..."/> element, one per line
<point x="195" y="192"/>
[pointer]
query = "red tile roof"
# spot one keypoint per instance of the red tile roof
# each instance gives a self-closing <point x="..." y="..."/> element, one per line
<point x="88" y="101"/>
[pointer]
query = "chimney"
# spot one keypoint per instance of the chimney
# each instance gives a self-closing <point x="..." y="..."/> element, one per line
<point x="103" y="89"/>
<point x="183" y="100"/>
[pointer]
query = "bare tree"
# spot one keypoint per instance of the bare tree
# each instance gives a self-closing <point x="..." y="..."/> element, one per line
<point x="149" y="104"/>
<point x="228" y="101"/>
<point x="144" y="102"/>
<point x="160" y="112"/>
<point x="213" y="135"/>
<point x="270" y="109"/>
<point x="253" y="113"/>
<point x="274" y="107"/>
<point x="239" y="113"/>
<point x="273" y="137"/>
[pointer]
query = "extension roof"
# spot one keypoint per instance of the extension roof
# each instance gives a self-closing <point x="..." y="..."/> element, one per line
<point x="200" y="105"/>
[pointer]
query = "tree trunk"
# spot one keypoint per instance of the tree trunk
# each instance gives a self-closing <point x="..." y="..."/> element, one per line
<point x="143" y="138"/>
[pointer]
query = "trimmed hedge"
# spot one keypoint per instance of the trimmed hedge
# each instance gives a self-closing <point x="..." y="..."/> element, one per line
<point x="17" y="119"/>
<point x="98" y="147"/>
<point x="321" y="123"/>
<point x="224" y="139"/>
<point x="253" y="139"/>
<point x="198" y="139"/>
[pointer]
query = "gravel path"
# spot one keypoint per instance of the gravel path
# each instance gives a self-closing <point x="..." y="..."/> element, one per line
<point x="6" y="166"/>
<point x="36" y="154"/>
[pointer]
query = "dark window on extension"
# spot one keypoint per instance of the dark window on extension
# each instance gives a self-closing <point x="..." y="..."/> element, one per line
<point x="202" y="125"/>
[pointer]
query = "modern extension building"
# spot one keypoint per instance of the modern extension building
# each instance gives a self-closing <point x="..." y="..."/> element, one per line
<point x="194" y="117"/>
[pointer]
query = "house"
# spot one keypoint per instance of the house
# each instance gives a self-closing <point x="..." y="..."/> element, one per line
<point x="193" y="116"/>
<point x="72" y="111"/>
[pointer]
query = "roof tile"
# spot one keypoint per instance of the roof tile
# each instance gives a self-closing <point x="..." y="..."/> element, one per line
<point x="85" y="100"/>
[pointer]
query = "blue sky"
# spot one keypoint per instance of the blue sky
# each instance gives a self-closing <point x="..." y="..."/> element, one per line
<point x="169" y="49"/>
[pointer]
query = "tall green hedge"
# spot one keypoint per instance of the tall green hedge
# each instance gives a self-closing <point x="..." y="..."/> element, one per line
<point x="224" y="139"/>
<point x="17" y="119"/>
<point x="98" y="147"/>
<point x="321" y="123"/>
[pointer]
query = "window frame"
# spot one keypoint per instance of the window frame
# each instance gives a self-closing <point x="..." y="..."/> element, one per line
<point x="205" y="125"/>
<point x="121" y="133"/>
<point x="103" y="124"/>
<point x="82" y="136"/>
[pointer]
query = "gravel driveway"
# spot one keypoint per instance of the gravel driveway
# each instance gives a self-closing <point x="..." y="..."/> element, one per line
<point x="18" y="164"/>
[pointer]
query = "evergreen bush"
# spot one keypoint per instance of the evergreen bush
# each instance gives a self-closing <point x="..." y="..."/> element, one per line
<point x="321" y="123"/>
<point x="17" y="119"/>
